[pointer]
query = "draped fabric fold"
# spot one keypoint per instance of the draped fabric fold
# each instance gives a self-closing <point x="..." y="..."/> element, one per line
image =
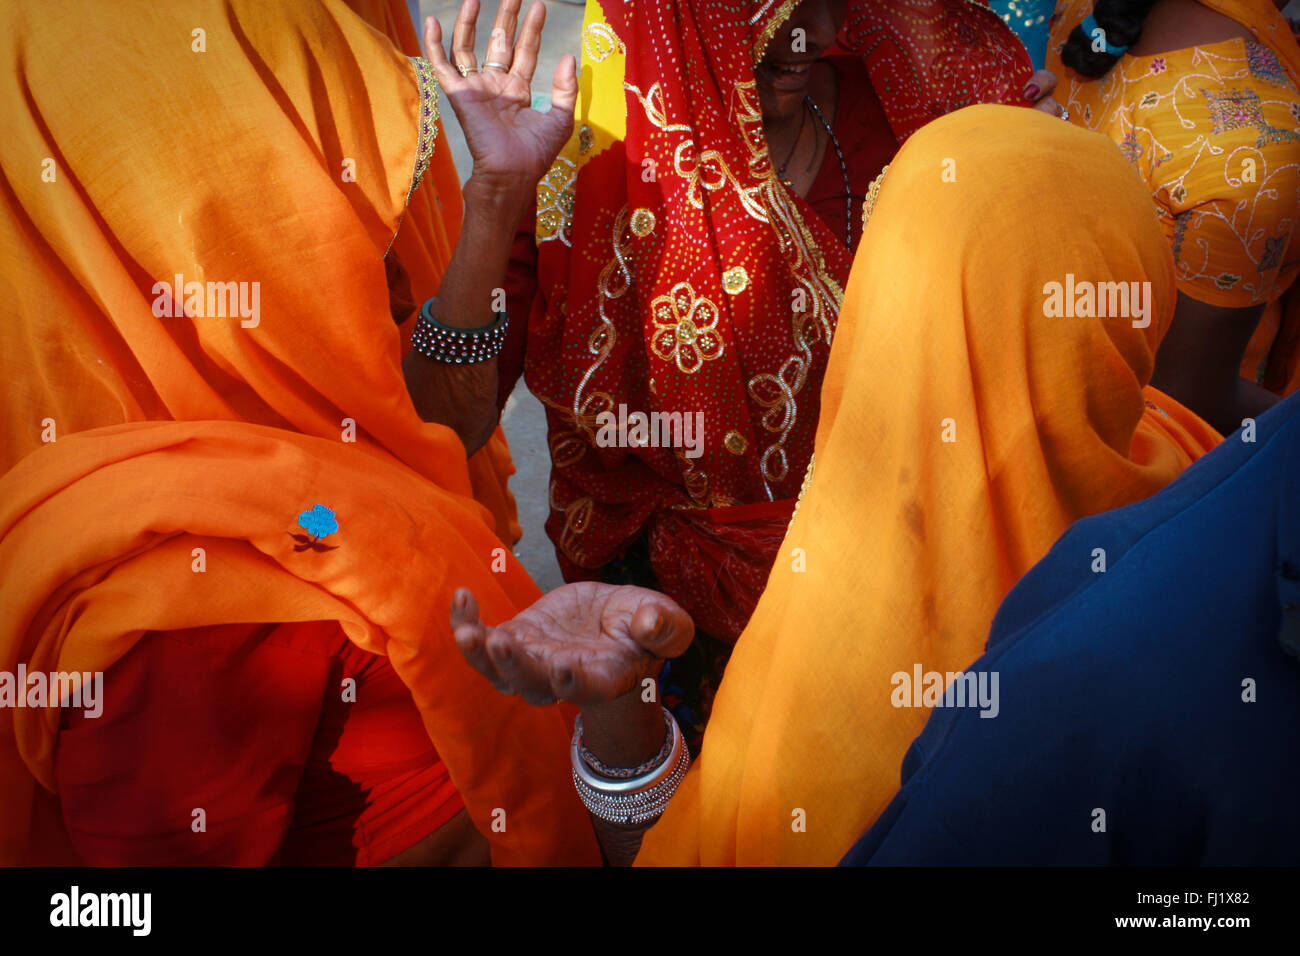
<point x="679" y="276"/>
<point x="199" y="349"/>
<point x="962" y="430"/>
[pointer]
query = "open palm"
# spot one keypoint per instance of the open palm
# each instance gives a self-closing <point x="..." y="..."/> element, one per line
<point x="510" y="142"/>
<point x="588" y="643"/>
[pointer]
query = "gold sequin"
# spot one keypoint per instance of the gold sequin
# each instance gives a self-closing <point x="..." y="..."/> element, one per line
<point x="735" y="280"/>
<point x="585" y="140"/>
<point x="643" y="222"/>
<point x="735" y="442"/>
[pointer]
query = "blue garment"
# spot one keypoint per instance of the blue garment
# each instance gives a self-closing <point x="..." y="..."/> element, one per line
<point x="1029" y="18"/>
<point x="1123" y="691"/>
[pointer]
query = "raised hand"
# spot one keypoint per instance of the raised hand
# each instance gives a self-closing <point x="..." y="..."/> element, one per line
<point x="587" y="643"/>
<point x="512" y="144"/>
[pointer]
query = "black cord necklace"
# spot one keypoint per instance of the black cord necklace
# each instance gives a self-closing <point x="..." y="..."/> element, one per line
<point x="844" y="173"/>
<point x="810" y="105"/>
<point x="803" y="119"/>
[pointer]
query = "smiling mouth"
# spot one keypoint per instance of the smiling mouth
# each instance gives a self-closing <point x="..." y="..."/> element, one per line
<point x="790" y="69"/>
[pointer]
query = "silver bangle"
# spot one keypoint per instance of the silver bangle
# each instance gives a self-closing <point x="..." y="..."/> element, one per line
<point x="634" y="800"/>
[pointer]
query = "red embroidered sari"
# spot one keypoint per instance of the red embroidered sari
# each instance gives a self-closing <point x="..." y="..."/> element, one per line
<point x="678" y="276"/>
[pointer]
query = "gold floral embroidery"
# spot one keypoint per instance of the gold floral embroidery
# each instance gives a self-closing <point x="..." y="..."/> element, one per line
<point x="643" y="222"/>
<point x="577" y="516"/>
<point x="735" y="442"/>
<point x="686" y="329"/>
<point x="695" y="481"/>
<point x="708" y="169"/>
<point x="601" y="42"/>
<point x="614" y="281"/>
<point x="656" y="107"/>
<point x="567" y="448"/>
<point x="735" y="280"/>
<point x="555" y="202"/>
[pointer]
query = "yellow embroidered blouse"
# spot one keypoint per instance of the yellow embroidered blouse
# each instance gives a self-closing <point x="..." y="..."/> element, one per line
<point x="1214" y="131"/>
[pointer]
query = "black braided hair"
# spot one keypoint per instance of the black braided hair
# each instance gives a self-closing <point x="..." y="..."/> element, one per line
<point x="1121" y="19"/>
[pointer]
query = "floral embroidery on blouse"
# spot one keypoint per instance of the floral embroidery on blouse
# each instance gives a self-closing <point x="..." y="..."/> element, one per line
<point x="1238" y="109"/>
<point x="1264" y="65"/>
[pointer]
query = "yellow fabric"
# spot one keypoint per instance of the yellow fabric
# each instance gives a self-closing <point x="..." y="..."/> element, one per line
<point x="208" y="139"/>
<point x="904" y="543"/>
<point x="1214" y="131"/>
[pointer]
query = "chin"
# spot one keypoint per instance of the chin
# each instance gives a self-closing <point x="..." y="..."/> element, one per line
<point x="780" y="104"/>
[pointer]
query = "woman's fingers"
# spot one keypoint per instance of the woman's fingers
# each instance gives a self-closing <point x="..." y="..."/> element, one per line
<point x="564" y="88"/>
<point x="471" y="638"/>
<point x="507" y="18"/>
<point x="530" y="42"/>
<point x="464" y="608"/>
<point x="1050" y="105"/>
<point x="662" y="627"/>
<point x="448" y="76"/>
<point x="524" y="674"/>
<point x="463" y="35"/>
<point x="501" y="44"/>
<point x="1041" y="84"/>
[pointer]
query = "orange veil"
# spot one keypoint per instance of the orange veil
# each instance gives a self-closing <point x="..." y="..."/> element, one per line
<point x="962" y="431"/>
<point x="156" y="463"/>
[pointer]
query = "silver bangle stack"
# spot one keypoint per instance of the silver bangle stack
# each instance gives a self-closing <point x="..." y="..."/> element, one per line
<point x="442" y="343"/>
<point x="630" y="801"/>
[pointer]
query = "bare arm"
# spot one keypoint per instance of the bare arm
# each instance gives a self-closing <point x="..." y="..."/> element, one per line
<point x="595" y="645"/>
<point x="1199" y="362"/>
<point x="464" y="397"/>
<point x="623" y="733"/>
<point x="512" y="146"/>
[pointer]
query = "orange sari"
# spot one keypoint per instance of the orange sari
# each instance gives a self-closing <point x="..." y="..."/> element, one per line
<point x="962" y="431"/>
<point x="158" y="453"/>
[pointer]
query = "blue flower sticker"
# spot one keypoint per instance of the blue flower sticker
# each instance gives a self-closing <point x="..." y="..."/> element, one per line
<point x="319" y="522"/>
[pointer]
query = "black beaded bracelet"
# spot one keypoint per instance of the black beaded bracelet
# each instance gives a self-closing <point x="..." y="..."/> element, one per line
<point x="442" y="343"/>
